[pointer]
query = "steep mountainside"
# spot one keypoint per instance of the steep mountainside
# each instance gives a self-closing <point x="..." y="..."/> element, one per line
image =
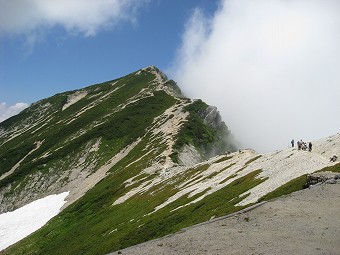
<point x="70" y="141"/>
<point x="100" y="143"/>
<point x="140" y="161"/>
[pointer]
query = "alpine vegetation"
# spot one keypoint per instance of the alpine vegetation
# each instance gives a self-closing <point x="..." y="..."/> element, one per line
<point x="91" y="142"/>
<point x="138" y="161"/>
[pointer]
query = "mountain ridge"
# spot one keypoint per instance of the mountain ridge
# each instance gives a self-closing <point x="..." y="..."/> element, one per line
<point x="140" y="161"/>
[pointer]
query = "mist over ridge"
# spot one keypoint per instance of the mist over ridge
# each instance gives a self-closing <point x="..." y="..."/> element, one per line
<point x="271" y="68"/>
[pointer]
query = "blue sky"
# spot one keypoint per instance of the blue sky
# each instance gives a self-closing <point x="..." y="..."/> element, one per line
<point x="272" y="67"/>
<point x="59" y="60"/>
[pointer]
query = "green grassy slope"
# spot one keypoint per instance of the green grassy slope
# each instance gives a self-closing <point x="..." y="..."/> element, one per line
<point x="115" y="113"/>
<point x="93" y="226"/>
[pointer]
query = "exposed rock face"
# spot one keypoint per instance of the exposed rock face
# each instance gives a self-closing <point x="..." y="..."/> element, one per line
<point x="189" y="156"/>
<point x="74" y="98"/>
<point x="322" y="177"/>
<point x="212" y="117"/>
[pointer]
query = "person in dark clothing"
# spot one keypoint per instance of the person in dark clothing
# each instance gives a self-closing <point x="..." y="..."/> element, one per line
<point x="292" y="142"/>
<point x="310" y="146"/>
<point x="334" y="158"/>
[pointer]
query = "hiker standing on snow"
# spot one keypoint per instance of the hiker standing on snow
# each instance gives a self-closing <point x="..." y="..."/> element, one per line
<point x="292" y="142"/>
<point x="310" y="146"/>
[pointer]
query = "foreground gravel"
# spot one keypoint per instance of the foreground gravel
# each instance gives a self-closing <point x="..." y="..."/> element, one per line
<point x="304" y="222"/>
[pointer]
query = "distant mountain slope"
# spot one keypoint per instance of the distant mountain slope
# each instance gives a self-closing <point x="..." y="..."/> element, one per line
<point x="140" y="161"/>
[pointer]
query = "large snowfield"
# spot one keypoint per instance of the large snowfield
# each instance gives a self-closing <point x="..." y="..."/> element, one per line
<point x="18" y="224"/>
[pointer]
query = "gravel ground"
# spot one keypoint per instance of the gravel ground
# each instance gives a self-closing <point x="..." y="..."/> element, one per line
<point x="304" y="222"/>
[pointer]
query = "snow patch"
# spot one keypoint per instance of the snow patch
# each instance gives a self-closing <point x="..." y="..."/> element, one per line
<point x="20" y="223"/>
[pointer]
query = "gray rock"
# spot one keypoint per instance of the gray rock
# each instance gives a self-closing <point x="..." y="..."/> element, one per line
<point x="212" y="117"/>
<point x="322" y="177"/>
<point x="331" y="181"/>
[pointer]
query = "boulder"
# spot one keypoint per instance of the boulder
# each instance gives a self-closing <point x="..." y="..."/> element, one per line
<point x="322" y="177"/>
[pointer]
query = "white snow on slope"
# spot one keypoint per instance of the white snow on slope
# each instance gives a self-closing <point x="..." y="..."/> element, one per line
<point x="20" y="223"/>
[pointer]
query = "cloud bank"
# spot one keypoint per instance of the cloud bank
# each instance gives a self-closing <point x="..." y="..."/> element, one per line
<point x="29" y="17"/>
<point x="8" y="111"/>
<point x="270" y="66"/>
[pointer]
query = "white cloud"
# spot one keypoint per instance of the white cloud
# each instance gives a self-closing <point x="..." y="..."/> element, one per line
<point x="270" y="66"/>
<point x="76" y="16"/>
<point x="8" y="111"/>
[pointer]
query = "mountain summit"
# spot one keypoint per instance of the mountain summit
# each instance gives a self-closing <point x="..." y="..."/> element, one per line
<point x="138" y="161"/>
<point x="105" y="134"/>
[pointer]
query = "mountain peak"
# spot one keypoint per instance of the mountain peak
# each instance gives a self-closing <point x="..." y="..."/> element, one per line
<point x="138" y="161"/>
<point x="83" y="134"/>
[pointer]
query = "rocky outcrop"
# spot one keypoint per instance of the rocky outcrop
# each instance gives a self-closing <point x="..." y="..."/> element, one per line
<point x="189" y="156"/>
<point x="322" y="177"/>
<point x="212" y="117"/>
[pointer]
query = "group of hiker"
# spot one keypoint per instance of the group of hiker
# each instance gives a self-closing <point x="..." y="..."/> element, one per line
<point x="302" y="145"/>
